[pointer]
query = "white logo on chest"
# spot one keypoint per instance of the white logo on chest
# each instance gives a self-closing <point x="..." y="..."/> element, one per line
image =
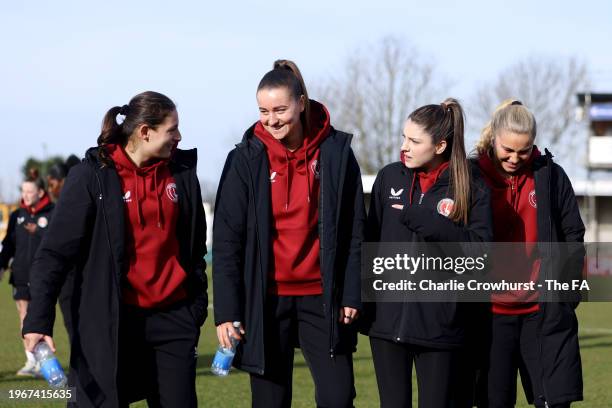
<point x="395" y="195"/>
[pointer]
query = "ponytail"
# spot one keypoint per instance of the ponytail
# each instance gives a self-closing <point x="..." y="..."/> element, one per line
<point x="147" y="108"/>
<point x="111" y="133"/>
<point x="286" y="74"/>
<point x="510" y="115"/>
<point x="446" y="122"/>
<point x="458" y="164"/>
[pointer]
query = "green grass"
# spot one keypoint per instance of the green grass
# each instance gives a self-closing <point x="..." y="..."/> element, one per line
<point x="234" y="391"/>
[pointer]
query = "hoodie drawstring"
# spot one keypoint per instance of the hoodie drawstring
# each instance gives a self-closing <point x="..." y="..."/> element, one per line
<point x="157" y="196"/>
<point x="159" y="224"/>
<point x="307" y="172"/>
<point x="287" y="181"/>
<point x="138" y="209"/>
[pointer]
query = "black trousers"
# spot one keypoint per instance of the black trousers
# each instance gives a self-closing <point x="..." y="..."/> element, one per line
<point x="293" y="320"/>
<point x="157" y="356"/>
<point x="514" y="348"/>
<point x="436" y="374"/>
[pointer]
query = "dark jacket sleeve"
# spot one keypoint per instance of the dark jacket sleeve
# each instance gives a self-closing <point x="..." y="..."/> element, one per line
<point x="199" y="305"/>
<point x="374" y="220"/>
<point x="437" y="228"/>
<point x="229" y="237"/>
<point x="59" y="249"/>
<point x="8" y="243"/>
<point x="351" y="296"/>
<point x="567" y="217"/>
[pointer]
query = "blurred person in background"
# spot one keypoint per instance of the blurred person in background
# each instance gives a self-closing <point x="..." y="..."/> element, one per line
<point x="26" y="229"/>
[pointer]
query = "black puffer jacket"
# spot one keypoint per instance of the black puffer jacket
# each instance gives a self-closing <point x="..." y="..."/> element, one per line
<point x="242" y="242"/>
<point x="21" y="245"/>
<point x="88" y="230"/>
<point x="436" y="325"/>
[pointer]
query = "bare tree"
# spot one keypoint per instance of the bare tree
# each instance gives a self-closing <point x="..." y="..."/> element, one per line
<point x="380" y="87"/>
<point x="548" y="87"/>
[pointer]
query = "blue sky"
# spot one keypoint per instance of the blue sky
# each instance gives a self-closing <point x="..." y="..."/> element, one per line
<point x="64" y="63"/>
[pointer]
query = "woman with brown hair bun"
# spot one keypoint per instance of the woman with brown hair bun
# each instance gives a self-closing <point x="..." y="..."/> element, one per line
<point x="287" y="246"/>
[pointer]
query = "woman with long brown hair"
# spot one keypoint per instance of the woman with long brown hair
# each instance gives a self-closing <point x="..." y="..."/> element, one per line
<point x="430" y="195"/>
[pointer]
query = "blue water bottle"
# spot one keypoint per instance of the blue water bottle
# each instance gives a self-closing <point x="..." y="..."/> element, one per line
<point x="50" y="367"/>
<point x="222" y="362"/>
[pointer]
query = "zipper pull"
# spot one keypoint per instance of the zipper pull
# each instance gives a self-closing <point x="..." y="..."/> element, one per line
<point x="421" y="198"/>
<point x="100" y="196"/>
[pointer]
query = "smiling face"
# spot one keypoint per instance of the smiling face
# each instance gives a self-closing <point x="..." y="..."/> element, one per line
<point x="512" y="150"/>
<point x="418" y="148"/>
<point x="161" y="141"/>
<point x="279" y="113"/>
<point x="30" y="193"/>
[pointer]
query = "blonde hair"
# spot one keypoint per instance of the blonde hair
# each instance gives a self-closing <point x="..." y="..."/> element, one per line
<point x="511" y="115"/>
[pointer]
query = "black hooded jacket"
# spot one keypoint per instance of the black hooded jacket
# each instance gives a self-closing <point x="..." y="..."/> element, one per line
<point x="242" y="242"/>
<point x="88" y="230"/>
<point x="558" y="221"/>
<point x="437" y="325"/>
<point x="21" y="245"/>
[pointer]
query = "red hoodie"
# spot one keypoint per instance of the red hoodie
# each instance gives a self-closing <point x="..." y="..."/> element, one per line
<point x="515" y="219"/>
<point x="155" y="277"/>
<point x="294" y="187"/>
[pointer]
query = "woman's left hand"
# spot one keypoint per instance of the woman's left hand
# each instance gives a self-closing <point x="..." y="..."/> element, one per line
<point x="348" y="315"/>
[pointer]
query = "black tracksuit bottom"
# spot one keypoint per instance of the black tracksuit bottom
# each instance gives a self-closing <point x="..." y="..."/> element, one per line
<point x="436" y="372"/>
<point x="299" y="320"/>
<point x="514" y="348"/>
<point x="158" y="356"/>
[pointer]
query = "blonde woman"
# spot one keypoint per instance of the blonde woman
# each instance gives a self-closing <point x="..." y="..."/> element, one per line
<point x="532" y="201"/>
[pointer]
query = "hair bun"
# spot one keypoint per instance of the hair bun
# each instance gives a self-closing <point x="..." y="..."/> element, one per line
<point x="282" y="64"/>
<point x="33" y="173"/>
<point x="516" y="102"/>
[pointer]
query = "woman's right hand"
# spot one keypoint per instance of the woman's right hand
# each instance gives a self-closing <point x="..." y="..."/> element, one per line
<point x="223" y="334"/>
<point x="32" y="339"/>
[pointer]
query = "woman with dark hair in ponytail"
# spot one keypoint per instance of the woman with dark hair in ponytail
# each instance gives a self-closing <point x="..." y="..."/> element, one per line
<point x="27" y="226"/>
<point x="431" y="195"/>
<point x="130" y="218"/>
<point x="287" y="239"/>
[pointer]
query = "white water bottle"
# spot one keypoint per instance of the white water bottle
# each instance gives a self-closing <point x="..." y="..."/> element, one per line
<point x="222" y="362"/>
<point x="50" y="367"/>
